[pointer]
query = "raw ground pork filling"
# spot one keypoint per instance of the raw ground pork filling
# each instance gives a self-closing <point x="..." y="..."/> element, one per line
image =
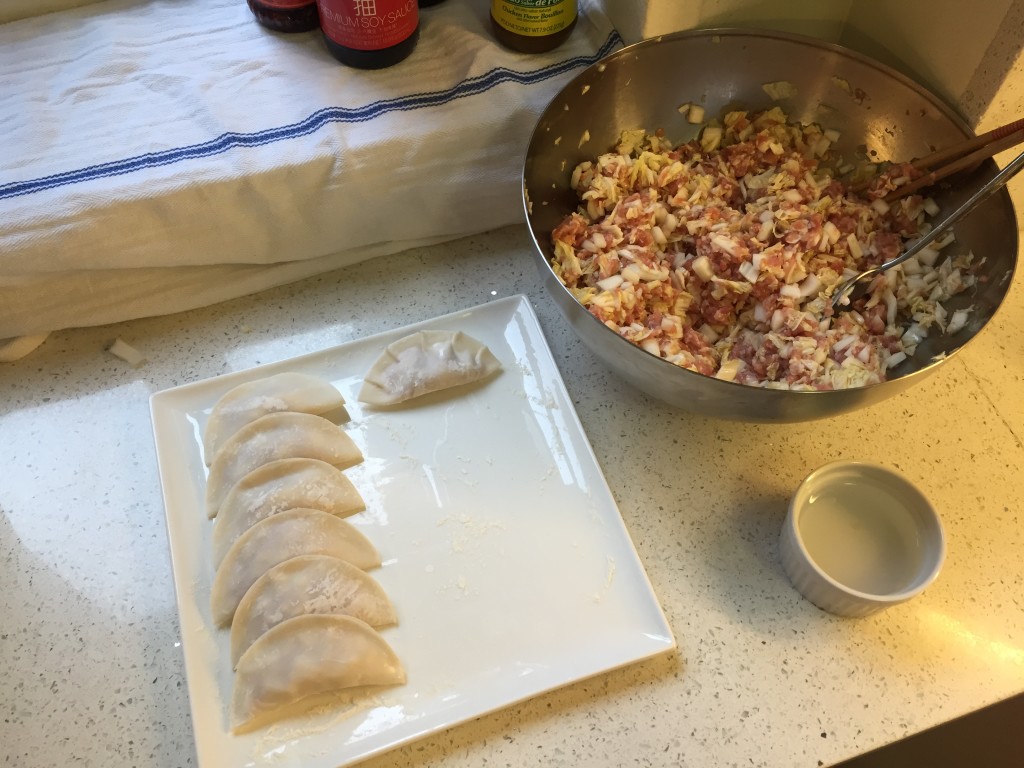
<point x="720" y="255"/>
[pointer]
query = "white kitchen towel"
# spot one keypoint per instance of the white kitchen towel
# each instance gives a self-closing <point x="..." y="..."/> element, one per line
<point x="161" y="155"/>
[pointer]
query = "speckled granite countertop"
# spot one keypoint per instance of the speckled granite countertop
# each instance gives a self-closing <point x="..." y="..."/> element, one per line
<point x="89" y="636"/>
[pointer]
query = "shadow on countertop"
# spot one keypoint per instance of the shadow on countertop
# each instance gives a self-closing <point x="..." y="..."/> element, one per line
<point x="991" y="737"/>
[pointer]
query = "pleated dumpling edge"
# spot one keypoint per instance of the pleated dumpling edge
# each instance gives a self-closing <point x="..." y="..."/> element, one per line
<point x="302" y="659"/>
<point x="246" y="402"/>
<point x="425" y="362"/>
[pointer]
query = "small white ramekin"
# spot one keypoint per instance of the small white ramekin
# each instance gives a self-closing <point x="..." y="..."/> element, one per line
<point x="859" y="537"/>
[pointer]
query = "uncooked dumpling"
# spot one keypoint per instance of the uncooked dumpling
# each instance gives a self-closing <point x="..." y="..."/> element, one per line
<point x="284" y="435"/>
<point x="279" y="486"/>
<point x="303" y="585"/>
<point x="304" y="658"/>
<point x="245" y="403"/>
<point x="279" y="538"/>
<point x="426" y="361"/>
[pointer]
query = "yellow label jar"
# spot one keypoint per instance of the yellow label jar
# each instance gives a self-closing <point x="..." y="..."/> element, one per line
<point x="533" y="26"/>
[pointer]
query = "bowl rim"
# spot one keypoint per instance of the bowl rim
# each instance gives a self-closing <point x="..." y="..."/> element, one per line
<point x="866" y="469"/>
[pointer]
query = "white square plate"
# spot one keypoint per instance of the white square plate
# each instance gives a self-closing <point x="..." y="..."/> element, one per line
<point x="504" y="552"/>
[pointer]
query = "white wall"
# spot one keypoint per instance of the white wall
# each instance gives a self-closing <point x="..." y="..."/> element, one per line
<point x="969" y="53"/>
<point x="639" y="19"/>
<point x="964" y="51"/>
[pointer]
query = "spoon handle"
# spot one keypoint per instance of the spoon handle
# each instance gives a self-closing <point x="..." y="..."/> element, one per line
<point x="997" y="182"/>
<point x="994" y="184"/>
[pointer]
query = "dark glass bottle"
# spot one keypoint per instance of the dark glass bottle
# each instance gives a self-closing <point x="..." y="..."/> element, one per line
<point x="370" y="34"/>
<point x="428" y="3"/>
<point x="532" y="27"/>
<point x="286" y="15"/>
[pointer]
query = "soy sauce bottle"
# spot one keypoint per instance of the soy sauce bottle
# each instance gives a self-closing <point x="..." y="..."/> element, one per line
<point x="370" y="34"/>
<point x="533" y="26"/>
<point x="286" y="15"/>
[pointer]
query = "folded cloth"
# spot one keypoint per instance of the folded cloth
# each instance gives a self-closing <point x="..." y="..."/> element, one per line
<point x="164" y="156"/>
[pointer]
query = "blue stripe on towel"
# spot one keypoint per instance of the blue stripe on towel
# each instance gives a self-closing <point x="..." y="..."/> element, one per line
<point x="311" y="124"/>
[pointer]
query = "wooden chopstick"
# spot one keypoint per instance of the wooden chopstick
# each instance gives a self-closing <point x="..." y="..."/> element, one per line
<point x="970" y="145"/>
<point x="958" y="157"/>
<point x="976" y="152"/>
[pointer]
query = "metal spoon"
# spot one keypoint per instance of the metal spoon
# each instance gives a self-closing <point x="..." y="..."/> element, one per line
<point x="842" y="297"/>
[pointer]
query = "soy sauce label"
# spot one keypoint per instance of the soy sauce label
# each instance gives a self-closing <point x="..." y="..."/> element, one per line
<point x="533" y="18"/>
<point x="368" y="25"/>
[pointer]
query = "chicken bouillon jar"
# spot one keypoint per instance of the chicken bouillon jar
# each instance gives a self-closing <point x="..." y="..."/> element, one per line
<point x="370" y="34"/>
<point x="533" y="26"/>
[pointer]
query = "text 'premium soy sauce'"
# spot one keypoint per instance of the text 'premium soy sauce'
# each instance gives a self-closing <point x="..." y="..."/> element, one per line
<point x="370" y="34"/>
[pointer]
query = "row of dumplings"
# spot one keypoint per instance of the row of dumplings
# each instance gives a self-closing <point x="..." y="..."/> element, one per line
<point x="291" y="577"/>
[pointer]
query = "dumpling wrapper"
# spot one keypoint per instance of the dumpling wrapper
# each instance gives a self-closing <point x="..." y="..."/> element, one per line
<point x="284" y="435"/>
<point x="279" y="538"/>
<point x="304" y="585"/>
<point x="290" y="391"/>
<point x="279" y="486"/>
<point x="424" y="362"/>
<point x="303" y="659"/>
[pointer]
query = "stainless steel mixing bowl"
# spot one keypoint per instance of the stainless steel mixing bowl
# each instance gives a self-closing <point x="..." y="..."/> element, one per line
<point x="880" y="114"/>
